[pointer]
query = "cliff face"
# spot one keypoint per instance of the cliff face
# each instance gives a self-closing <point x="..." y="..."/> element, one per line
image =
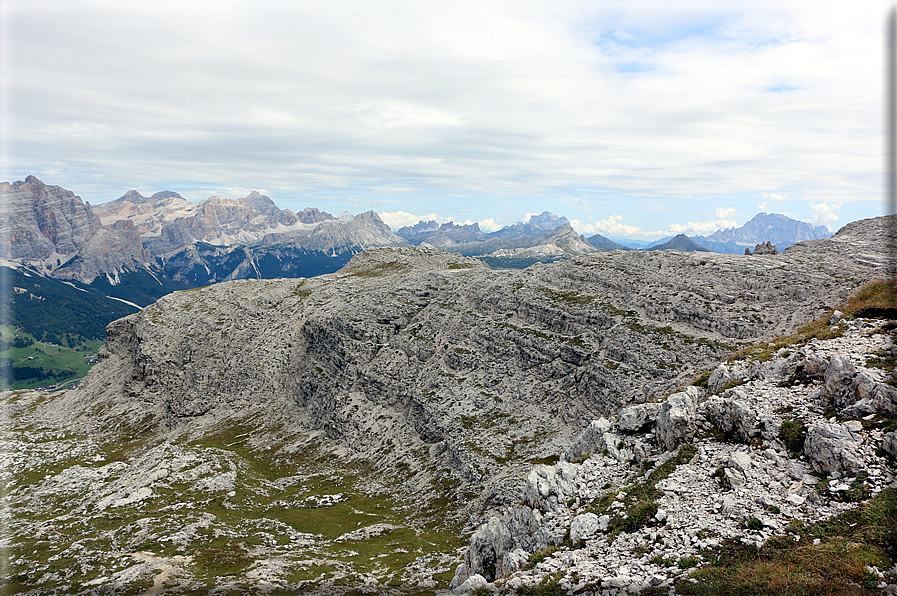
<point x="50" y="228"/>
<point x="44" y="223"/>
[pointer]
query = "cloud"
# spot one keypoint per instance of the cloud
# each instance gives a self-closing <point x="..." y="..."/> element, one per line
<point x="489" y="225"/>
<point x="825" y="213"/>
<point x="581" y="203"/>
<point x="435" y="102"/>
<point x="723" y="219"/>
<point x="613" y="226"/>
<point x="771" y="197"/>
<point x="398" y="219"/>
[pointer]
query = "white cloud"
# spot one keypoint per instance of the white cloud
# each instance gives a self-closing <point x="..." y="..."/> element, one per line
<point x="772" y="197"/>
<point x="613" y="226"/>
<point x="825" y="213"/>
<point x="490" y="225"/>
<point x="398" y="219"/>
<point x="725" y="213"/>
<point x="706" y="226"/>
<point x="435" y="102"/>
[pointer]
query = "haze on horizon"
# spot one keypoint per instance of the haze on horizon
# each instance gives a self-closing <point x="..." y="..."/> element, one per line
<point x="639" y="119"/>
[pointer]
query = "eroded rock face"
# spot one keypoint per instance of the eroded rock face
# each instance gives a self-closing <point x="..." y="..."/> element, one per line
<point x="726" y="484"/>
<point x="638" y="417"/>
<point x="43" y="222"/>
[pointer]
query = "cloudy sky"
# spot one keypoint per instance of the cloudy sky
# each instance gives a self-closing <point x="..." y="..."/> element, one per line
<point x="635" y="119"/>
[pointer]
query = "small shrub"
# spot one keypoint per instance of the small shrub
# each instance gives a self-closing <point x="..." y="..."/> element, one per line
<point x="688" y="562"/>
<point x="858" y="491"/>
<point x="701" y="381"/>
<point x="793" y="434"/>
<point x="798" y="377"/>
<point x="539" y="556"/>
<point x="752" y="523"/>
<point x="549" y="586"/>
<point x="481" y="590"/>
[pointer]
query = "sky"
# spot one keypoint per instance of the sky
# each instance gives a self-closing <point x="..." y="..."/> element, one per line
<point x="632" y="119"/>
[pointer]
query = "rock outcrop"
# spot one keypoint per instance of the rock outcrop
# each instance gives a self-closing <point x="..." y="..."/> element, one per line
<point x="719" y="488"/>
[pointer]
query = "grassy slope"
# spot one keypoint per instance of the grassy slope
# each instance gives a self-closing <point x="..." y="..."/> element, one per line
<point x="68" y="361"/>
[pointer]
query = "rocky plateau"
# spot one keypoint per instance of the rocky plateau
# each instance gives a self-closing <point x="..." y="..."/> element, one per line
<point x="418" y="421"/>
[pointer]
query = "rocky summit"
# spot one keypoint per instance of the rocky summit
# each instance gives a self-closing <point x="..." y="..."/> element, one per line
<point x="419" y="421"/>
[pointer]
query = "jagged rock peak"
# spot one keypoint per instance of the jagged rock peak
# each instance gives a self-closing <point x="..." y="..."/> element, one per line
<point x="547" y="220"/>
<point x="313" y="215"/>
<point x="421" y="227"/>
<point x="766" y="248"/>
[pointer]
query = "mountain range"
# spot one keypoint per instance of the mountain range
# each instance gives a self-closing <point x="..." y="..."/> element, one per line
<point x="136" y="249"/>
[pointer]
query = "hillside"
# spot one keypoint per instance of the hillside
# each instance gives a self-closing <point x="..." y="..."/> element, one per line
<point x="287" y="433"/>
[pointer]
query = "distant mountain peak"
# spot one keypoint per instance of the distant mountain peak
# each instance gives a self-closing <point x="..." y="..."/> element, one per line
<point x="682" y="243"/>
<point x="775" y="228"/>
<point x="547" y="220"/>
<point x="132" y="196"/>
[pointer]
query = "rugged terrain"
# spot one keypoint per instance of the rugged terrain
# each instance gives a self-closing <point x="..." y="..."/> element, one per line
<point x="772" y="443"/>
<point x="288" y="432"/>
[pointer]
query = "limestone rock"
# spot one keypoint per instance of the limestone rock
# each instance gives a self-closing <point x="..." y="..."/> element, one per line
<point x="637" y="417"/>
<point x="732" y="416"/>
<point x="834" y="447"/>
<point x="588" y="441"/>
<point x="889" y="443"/>
<point x="677" y="421"/>
<point x="839" y="377"/>
<point x="767" y="248"/>
<point x="470" y="584"/>
<point x="740" y="460"/>
<point x="584" y="526"/>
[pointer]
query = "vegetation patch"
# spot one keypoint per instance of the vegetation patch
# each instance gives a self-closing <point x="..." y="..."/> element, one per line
<point x="793" y="434"/>
<point x="549" y="586"/>
<point x="837" y="565"/>
<point x="874" y="300"/>
<point x="378" y="270"/>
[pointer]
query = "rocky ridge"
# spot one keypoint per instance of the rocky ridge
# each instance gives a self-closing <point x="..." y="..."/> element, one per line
<point x="735" y="479"/>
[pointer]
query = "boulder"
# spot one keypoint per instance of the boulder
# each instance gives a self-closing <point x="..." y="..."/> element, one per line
<point x="638" y="417"/>
<point x="889" y="443"/>
<point x="740" y="460"/>
<point x="834" y="447"/>
<point x="677" y="421"/>
<point x="584" y="526"/>
<point x="470" y="584"/>
<point x="487" y="548"/>
<point x="839" y="376"/>
<point x="732" y="416"/>
<point x="547" y="486"/>
<point x="589" y="441"/>
<point x="514" y="560"/>
<point x="733" y="478"/>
